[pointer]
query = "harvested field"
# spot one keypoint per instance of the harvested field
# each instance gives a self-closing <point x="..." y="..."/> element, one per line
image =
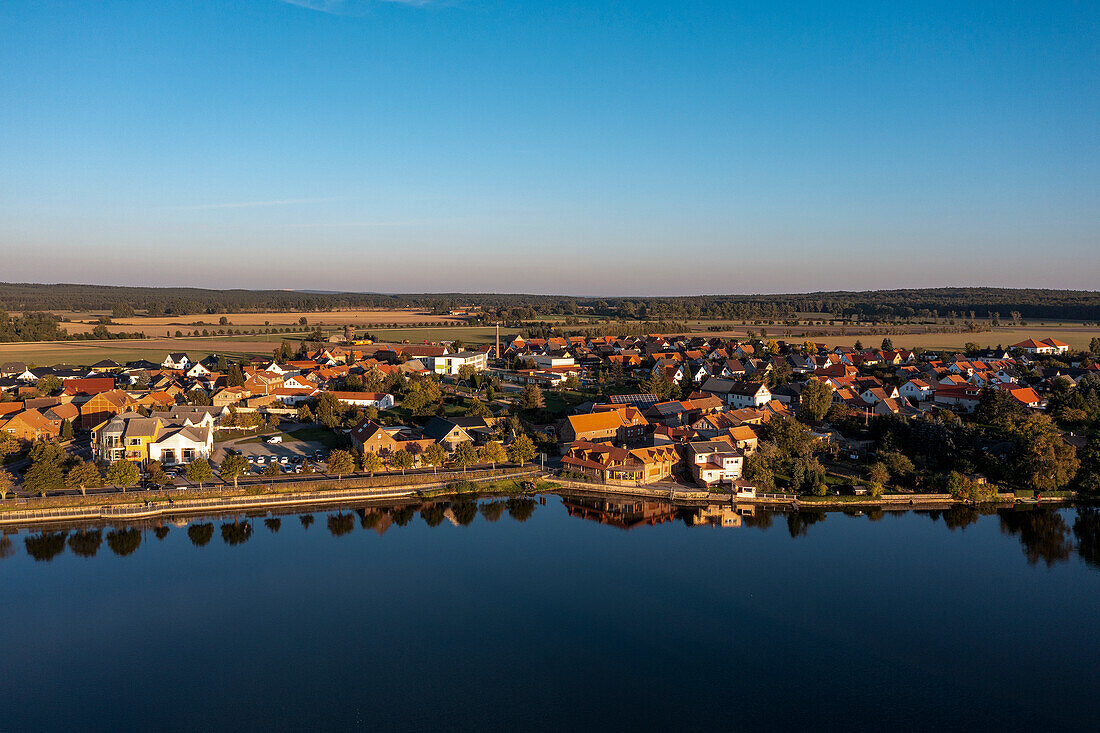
<point x="89" y="352"/>
<point x="84" y="321"/>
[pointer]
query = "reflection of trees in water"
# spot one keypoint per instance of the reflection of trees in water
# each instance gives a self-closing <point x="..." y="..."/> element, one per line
<point x="1086" y="528"/>
<point x="85" y="543"/>
<point x="200" y="534"/>
<point x="404" y="515"/>
<point x="799" y="522"/>
<point x="161" y="531"/>
<point x="875" y="513"/>
<point x="465" y="511"/>
<point x="1042" y="531"/>
<point x="369" y="519"/>
<point x="492" y="510"/>
<point x="959" y="516"/>
<point x="45" y="546"/>
<point x="273" y="524"/>
<point x="433" y="515"/>
<point x="124" y="542"/>
<point x="7" y="548"/>
<point x="306" y="520"/>
<point x="340" y="524"/>
<point x="520" y="508"/>
<point x="236" y="533"/>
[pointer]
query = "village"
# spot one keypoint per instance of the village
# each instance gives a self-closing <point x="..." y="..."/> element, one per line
<point x="737" y="416"/>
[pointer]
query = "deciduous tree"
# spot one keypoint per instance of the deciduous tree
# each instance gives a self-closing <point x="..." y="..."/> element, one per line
<point x="199" y="471"/>
<point x="521" y="450"/>
<point x="494" y="453"/>
<point x="233" y="467"/>
<point x="82" y="475"/>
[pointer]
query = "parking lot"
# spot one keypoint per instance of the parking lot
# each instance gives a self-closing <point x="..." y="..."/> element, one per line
<point x="289" y="455"/>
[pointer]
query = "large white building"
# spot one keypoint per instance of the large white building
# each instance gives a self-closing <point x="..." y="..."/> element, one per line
<point x="451" y="363"/>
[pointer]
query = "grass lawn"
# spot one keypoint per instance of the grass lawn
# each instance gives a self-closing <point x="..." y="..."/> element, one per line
<point x="316" y="434"/>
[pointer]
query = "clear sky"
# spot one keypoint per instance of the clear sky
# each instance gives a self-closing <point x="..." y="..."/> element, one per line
<point x="562" y="146"/>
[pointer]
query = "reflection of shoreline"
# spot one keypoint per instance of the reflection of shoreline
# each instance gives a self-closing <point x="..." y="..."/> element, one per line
<point x="1042" y="531"/>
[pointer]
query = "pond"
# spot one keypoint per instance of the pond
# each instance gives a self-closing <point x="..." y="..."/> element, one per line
<point x="557" y="613"/>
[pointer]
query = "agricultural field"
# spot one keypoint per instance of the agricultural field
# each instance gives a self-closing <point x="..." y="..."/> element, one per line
<point x="89" y="352"/>
<point x="1077" y="336"/>
<point x="85" y="321"/>
<point x="470" y="335"/>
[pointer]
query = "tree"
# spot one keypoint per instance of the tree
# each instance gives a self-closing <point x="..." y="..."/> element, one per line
<point x="233" y="467"/>
<point x="1044" y="461"/>
<point x="234" y="376"/>
<point x="340" y="462"/>
<point x="878" y="474"/>
<point x="434" y="456"/>
<point x="521" y="450"/>
<point x="8" y="444"/>
<point x="199" y="472"/>
<point x="465" y="455"/>
<point x="45" y="474"/>
<point x="305" y="414"/>
<point x="815" y="400"/>
<point x="157" y="476"/>
<point x="82" y="475"/>
<point x="493" y="452"/>
<point x="122" y="310"/>
<point x="371" y="462"/>
<point x="272" y="422"/>
<point x="531" y="398"/>
<point x="66" y="430"/>
<point x="887" y="344"/>
<point x="402" y="460"/>
<point x="48" y="384"/>
<point x="271" y="470"/>
<point x="858" y="345"/>
<point x="7" y="484"/>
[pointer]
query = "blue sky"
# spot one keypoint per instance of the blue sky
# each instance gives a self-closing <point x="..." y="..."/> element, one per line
<point x="629" y="147"/>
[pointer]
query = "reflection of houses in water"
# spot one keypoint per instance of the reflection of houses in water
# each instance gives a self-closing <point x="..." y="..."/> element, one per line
<point x="622" y="513"/>
<point x="720" y="515"/>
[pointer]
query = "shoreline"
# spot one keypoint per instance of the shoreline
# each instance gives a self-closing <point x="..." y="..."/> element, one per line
<point x="133" y="508"/>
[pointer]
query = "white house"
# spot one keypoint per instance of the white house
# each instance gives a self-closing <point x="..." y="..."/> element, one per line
<point x="550" y="362"/>
<point x="182" y="444"/>
<point x="197" y="370"/>
<point x="917" y="389"/>
<point x="175" y="361"/>
<point x="377" y="400"/>
<point x="1046" y="346"/>
<point x="714" y="462"/>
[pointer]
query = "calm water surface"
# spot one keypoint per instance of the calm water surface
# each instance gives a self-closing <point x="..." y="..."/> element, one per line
<point x="582" y="615"/>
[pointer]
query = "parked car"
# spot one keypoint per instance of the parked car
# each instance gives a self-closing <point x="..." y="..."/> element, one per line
<point x="284" y="460"/>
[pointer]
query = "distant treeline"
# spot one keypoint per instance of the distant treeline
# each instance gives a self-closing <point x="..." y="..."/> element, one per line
<point x="875" y="306"/>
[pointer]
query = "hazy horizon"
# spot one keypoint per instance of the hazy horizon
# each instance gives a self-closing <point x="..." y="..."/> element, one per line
<point x="576" y="148"/>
